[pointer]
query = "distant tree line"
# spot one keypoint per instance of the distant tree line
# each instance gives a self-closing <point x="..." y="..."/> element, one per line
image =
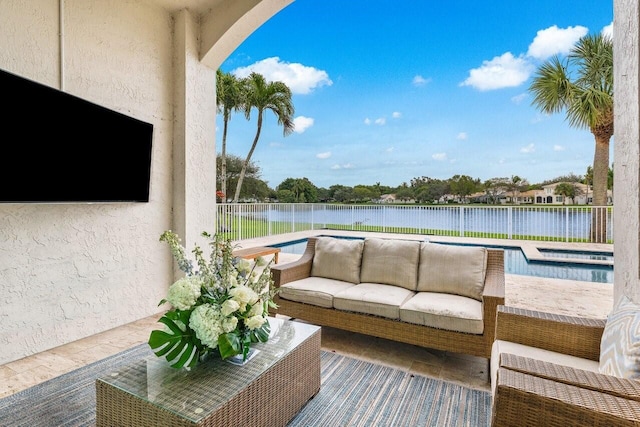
<point x="418" y="190"/>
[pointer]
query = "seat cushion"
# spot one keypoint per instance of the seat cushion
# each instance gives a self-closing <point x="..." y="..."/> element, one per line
<point x="452" y="269"/>
<point x="390" y="262"/>
<point x="500" y="346"/>
<point x="313" y="290"/>
<point x="337" y="259"/>
<point x="444" y="311"/>
<point x="620" y="344"/>
<point x="373" y="298"/>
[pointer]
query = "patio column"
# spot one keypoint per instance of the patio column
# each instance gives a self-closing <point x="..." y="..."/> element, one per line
<point x="194" y="149"/>
<point x="626" y="149"/>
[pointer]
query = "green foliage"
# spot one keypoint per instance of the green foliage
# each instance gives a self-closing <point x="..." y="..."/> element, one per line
<point x="179" y="345"/>
<point x="222" y="304"/>
<point x="297" y="190"/>
<point x="252" y="188"/>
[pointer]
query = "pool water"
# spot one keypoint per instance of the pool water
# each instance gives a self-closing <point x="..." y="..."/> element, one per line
<point x="514" y="263"/>
<point x="562" y="253"/>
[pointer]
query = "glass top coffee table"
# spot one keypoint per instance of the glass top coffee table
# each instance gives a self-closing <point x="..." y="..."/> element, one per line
<point x="269" y="390"/>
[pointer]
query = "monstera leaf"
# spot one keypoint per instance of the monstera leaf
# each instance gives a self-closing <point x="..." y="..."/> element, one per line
<point x="179" y="345"/>
<point x="237" y="342"/>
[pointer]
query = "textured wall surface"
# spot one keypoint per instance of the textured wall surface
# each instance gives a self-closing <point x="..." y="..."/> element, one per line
<point x="626" y="150"/>
<point x="70" y="270"/>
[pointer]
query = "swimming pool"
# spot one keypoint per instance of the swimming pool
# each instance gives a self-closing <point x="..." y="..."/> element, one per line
<point x="563" y="253"/>
<point x="514" y="263"/>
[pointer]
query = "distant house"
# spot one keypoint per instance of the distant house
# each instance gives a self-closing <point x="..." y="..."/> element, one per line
<point x="519" y="197"/>
<point x="387" y="198"/>
<point x="584" y="195"/>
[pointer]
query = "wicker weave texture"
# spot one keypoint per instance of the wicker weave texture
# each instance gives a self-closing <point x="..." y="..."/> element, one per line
<point x="425" y="336"/>
<point x="271" y="399"/>
<point x="523" y="400"/>
<point x="620" y="387"/>
<point x="576" y="336"/>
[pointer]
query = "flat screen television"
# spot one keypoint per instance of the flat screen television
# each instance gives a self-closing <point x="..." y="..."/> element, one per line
<point x="56" y="147"/>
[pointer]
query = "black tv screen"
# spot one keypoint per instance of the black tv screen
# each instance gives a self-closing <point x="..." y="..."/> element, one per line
<point x="56" y="147"/>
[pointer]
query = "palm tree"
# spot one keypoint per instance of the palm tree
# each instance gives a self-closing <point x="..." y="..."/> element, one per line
<point x="264" y="96"/>
<point x="229" y="98"/>
<point x="588" y="102"/>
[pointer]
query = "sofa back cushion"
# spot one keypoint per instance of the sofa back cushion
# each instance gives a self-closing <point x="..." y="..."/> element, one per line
<point x="390" y="262"/>
<point x="337" y="259"/>
<point x="451" y="269"/>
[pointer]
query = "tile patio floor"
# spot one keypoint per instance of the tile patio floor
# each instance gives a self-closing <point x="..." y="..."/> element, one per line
<point x="557" y="296"/>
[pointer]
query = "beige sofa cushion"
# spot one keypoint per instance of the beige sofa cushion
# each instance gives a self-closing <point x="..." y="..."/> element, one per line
<point x="444" y="311"/>
<point x="337" y="259"/>
<point x="452" y="269"/>
<point x="500" y="347"/>
<point x="313" y="290"/>
<point x="372" y="298"/>
<point x="390" y="262"/>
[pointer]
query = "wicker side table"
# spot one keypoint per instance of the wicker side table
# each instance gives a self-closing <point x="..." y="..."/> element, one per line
<point x="267" y="391"/>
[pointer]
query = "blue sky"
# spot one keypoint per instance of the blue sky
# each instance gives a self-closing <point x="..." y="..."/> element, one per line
<point x="385" y="91"/>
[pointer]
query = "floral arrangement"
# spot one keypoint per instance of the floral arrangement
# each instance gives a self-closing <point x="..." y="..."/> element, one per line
<point x="222" y="304"/>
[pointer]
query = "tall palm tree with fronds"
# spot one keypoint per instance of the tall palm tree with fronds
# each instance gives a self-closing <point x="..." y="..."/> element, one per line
<point x="229" y="98"/>
<point x="265" y="96"/>
<point x="582" y="85"/>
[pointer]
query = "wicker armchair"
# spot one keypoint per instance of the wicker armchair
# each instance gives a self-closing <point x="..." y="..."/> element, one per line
<point x="530" y="392"/>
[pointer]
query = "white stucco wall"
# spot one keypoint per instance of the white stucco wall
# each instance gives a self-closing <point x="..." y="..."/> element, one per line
<point x="70" y="270"/>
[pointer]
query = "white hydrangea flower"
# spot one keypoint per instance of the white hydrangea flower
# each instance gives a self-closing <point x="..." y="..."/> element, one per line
<point x="207" y="321"/>
<point x="243" y="295"/>
<point x="229" y="306"/>
<point x="184" y="292"/>
<point x="255" y="322"/>
<point x="256" y="310"/>
<point x="229" y="324"/>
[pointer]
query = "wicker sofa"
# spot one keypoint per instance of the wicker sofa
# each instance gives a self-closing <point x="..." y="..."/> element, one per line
<point x="545" y="372"/>
<point x="433" y="295"/>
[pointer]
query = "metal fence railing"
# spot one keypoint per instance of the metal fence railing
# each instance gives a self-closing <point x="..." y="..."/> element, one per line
<point x="545" y="223"/>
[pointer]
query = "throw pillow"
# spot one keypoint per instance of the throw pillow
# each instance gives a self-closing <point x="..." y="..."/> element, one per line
<point x="391" y="262"/>
<point x="620" y="345"/>
<point x="337" y="259"/>
<point x="451" y="269"/>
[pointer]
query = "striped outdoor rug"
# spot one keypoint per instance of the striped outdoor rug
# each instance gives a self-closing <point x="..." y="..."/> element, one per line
<point x="353" y="393"/>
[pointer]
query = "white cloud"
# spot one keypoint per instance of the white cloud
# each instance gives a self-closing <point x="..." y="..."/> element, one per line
<point x="381" y="121"/>
<point x="396" y="114"/>
<point x="420" y="81"/>
<point x="439" y="156"/>
<point x="367" y="121"/>
<point x="462" y="136"/>
<point x="345" y="166"/>
<point x="302" y="123"/>
<point x="389" y="150"/>
<point x="558" y="148"/>
<point x="500" y="72"/>
<point x="540" y="117"/>
<point x="301" y="79"/>
<point x="528" y="149"/>
<point x="553" y="41"/>
<point x="324" y="155"/>
<point x="608" y="30"/>
<point x="519" y="98"/>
